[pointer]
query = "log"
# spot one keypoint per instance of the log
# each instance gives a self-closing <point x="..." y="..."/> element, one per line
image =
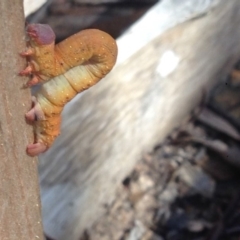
<point x="32" y="6"/>
<point x="150" y="92"/>
<point x="19" y="188"/>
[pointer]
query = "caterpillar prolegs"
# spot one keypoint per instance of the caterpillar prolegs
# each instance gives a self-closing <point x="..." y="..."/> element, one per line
<point x="64" y="70"/>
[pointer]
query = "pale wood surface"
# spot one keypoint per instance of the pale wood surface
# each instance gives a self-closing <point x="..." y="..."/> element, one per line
<point x="30" y="6"/>
<point x="20" y="208"/>
<point x="150" y="91"/>
<point x="164" y="15"/>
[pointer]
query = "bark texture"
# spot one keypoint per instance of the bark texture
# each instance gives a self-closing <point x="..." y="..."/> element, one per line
<point x="20" y="207"/>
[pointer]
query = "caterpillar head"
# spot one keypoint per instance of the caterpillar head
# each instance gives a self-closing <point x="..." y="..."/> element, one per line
<point x="40" y="34"/>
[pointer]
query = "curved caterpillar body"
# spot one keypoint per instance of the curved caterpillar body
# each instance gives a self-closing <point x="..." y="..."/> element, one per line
<point x="65" y="69"/>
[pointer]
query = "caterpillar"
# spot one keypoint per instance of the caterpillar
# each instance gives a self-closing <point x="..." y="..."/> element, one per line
<point x="64" y="70"/>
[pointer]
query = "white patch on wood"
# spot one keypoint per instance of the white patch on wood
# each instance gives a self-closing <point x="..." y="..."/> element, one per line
<point x="162" y="16"/>
<point x="168" y="63"/>
<point x="30" y="6"/>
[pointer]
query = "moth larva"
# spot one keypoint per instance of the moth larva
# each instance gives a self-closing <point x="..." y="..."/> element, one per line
<point x="65" y="70"/>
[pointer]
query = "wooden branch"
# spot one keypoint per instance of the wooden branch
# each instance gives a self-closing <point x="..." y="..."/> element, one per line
<point x="20" y="207"/>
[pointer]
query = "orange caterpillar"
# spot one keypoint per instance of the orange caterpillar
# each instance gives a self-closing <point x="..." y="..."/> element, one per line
<point x="65" y="70"/>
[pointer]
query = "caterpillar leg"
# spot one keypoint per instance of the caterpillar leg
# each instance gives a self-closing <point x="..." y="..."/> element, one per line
<point x="27" y="71"/>
<point x="34" y="149"/>
<point x="27" y="53"/>
<point x="35" y="114"/>
<point x="35" y="80"/>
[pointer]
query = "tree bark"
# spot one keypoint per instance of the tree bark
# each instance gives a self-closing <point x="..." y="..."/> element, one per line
<point x="19" y="189"/>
